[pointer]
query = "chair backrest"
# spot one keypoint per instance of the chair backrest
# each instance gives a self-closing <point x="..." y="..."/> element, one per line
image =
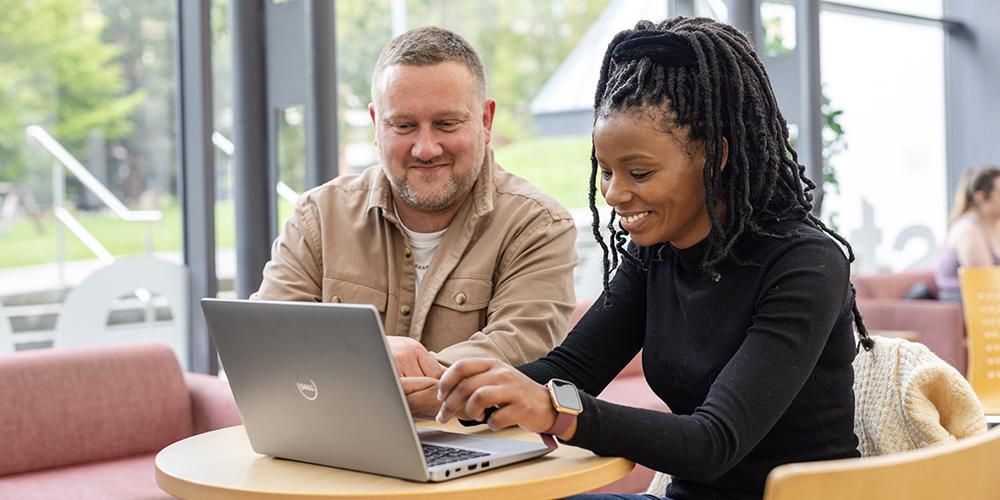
<point x="981" y="306"/>
<point x="963" y="469"/>
<point x="84" y="318"/>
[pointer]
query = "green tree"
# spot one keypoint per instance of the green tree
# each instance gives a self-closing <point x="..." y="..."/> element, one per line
<point x="144" y="161"/>
<point x="521" y="42"/>
<point x="56" y="71"/>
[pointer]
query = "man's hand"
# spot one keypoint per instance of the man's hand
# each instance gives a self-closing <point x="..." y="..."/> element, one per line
<point x="412" y="359"/>
<point x="421" y="396"/>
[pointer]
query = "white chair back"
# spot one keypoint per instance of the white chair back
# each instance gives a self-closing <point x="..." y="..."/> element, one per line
<point x="84" y="318"/>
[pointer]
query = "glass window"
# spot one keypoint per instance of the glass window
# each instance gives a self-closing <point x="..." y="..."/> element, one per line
<point x="778" y="21"/>
<point x="891" y="204"/>
<point x="928" y="8"/>
<point x="87" y="147"/>
<point x="222" y="90"/>
<point x="291" y="160"/>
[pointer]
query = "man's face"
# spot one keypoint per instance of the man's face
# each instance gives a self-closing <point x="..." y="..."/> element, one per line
<point x="432" y="128"/>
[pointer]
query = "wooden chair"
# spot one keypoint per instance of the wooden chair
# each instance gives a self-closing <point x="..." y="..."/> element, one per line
<point x="981" y="305"/>
<point x="963" y="469"/>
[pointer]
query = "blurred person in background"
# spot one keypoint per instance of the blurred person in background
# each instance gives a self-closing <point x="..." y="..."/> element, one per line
<point x="973" y="238"/>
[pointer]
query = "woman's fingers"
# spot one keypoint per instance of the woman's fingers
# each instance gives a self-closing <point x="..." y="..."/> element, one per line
<point x="459" y="395"/>
<point x="461" y="370"/>
<point x="521" y="401"/>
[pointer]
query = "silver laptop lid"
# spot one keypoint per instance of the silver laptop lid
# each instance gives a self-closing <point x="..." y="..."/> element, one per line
<point x="315" y="382"/>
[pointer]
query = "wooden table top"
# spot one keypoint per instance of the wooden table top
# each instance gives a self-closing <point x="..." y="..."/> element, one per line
<point x="221" y="465"/>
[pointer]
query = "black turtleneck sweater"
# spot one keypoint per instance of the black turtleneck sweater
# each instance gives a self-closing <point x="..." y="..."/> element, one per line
<point x="755" y="367"/>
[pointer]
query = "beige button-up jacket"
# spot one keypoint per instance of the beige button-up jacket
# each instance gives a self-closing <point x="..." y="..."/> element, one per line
<point x="500" y="284"/>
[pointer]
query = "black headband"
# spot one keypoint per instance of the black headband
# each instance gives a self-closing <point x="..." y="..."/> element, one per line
<point x="664" y="48"/>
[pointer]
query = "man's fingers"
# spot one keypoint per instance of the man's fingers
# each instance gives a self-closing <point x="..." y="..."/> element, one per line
<point x="430" y="366"/>
<point x="406" y="365"/>
<point x="423" y="403"/>
<point x="416" y="384"/>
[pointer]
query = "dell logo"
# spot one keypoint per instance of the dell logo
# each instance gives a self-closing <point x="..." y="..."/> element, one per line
<point x="307" y="388"/>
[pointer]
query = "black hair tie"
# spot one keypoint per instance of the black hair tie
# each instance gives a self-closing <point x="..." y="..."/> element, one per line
<point x="662" y="47"/>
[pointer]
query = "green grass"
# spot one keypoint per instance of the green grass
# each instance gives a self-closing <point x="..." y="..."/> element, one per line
<point x="559" y="166"/>
<point x="25" y="245"/>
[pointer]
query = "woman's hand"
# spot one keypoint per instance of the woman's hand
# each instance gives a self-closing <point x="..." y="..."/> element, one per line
<point x="470" y="386"/>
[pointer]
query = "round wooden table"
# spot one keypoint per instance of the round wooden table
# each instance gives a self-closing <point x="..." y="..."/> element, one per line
<point x="221" y="465"/>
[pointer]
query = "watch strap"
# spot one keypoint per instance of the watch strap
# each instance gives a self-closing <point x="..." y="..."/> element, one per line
<point x="561" y="425"/>
<point x="563" y="421"/>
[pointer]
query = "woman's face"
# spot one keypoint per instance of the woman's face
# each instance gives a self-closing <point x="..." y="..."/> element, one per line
<point x="989" y="205"/>
<point x="653" y="181"/>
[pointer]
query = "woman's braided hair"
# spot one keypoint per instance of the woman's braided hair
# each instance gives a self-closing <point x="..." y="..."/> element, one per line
<point x="706" y="76"/>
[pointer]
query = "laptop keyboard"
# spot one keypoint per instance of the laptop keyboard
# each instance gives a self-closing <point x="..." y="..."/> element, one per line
<point x="437" y="455"/>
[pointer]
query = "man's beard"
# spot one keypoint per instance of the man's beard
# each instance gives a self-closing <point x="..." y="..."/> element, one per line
<point x="455" y="189"/>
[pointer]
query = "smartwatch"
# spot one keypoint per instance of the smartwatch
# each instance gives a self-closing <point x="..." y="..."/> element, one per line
<point x="566" y="400"/>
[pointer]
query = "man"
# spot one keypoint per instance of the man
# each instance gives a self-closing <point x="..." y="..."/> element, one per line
<point x="461" y="258"/>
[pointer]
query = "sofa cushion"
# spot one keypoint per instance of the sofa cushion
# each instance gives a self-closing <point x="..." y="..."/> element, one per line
<point x="893" y="285"/>
<point x="131" y="477"/>
<point x="939" y="324"/>
<point x="70" y="406"/>
<point x="212" y="403"/>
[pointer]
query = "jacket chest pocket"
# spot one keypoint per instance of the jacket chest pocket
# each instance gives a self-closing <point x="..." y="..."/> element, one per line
<point x="458" y="311"/>
<point x="347" y="292"/>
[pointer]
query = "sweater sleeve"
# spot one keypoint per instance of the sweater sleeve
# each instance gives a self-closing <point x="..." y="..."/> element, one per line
<point x="607" y="337"/>
<point x="801" y="298"/>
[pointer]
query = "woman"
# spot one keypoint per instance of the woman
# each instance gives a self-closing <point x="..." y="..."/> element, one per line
<point x="973" y="230"/>
<point x="737" y="294"/>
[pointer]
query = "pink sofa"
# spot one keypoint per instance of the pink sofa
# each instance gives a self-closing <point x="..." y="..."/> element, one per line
<point x="939" y="324"/>
<point x="628" y="388"/>
<point x="87" y="423"/>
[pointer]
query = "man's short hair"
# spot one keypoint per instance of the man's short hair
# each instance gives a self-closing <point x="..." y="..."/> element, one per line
<point x="426" y="47"/>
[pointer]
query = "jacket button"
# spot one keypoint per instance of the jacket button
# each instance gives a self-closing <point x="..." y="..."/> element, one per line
<point x="407" y="253"/>
<point x="405" y="310"/>
<point x="335" y="299"/>
<point x="460" y="298"/>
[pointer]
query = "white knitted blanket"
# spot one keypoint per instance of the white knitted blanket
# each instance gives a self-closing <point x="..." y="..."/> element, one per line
<point x="907" y="398"/>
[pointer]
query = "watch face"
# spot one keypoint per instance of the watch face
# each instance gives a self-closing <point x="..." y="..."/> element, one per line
<point x="567" y="396"/>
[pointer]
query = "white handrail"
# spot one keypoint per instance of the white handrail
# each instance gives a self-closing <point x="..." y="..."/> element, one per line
<point x="85" y="237"/>
<point x="286" y="192"/>
<point x="88" y="179"/>
<point x="67" y="219"/>
<point x="223" y="143"/>
<point x="227" y="147"/>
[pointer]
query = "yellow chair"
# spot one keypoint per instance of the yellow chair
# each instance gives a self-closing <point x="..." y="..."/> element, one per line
<point x="981" y="304"/>
<point x="964" y="469"/>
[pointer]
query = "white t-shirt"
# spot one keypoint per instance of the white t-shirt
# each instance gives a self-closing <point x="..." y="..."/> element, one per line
<point x="423" y="246"/>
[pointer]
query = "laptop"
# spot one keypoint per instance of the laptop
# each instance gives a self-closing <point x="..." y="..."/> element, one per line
<point x="315" y="382"/>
